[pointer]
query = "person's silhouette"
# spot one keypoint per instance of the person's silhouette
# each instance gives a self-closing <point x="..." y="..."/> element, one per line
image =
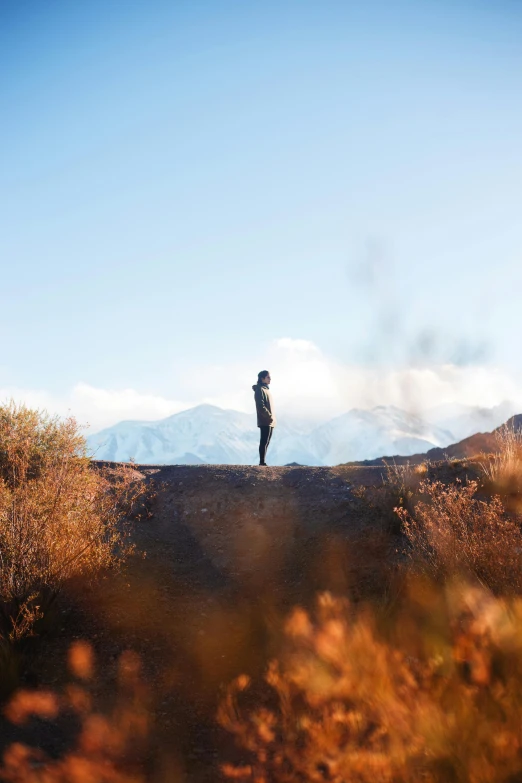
<point x="266" y="420"/>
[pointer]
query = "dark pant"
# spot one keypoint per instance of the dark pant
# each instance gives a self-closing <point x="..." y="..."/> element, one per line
<point x="266" y="434"/>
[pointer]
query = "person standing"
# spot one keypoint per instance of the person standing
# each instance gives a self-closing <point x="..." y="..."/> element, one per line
<point x="266" y="420"/>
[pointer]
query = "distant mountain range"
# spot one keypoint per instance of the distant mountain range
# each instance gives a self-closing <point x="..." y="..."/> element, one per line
<point x="211" y="435"/>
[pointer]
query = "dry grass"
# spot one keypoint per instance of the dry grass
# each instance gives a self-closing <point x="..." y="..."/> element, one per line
<point x="451" y="533"/>
<point x="59" y="518"/>
<point x="401" y="482"/>
<point x="343" y="701"/>
<point x="502" y="470"/>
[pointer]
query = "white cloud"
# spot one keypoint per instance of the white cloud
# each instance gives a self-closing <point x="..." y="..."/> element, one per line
<point x="309" y="383"/>
<point x="306" y="383"/>
<point x="97" y="408"/>
<point x="102" y="407"/>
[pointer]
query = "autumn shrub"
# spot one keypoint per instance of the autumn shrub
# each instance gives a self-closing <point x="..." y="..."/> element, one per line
<point x="452" y="532"/>
<point x="59" y="517"/>
<point x="435" y="695"/>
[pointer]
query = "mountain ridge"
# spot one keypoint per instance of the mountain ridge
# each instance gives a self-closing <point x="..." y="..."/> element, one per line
<point x="207" y="434"/>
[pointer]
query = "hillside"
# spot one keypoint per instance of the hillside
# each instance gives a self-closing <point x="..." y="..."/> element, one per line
<point x="260" y="527"/>
<point x="481" y="443"/>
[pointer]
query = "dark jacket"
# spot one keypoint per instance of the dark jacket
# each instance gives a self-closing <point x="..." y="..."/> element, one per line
<point x="264" y="405"/>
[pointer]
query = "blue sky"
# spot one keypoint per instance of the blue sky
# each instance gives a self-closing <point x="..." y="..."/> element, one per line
<point x="189" y="190"/>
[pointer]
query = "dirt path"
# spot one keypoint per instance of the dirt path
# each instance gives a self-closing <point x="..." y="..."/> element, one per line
<point x="222" y="522"/>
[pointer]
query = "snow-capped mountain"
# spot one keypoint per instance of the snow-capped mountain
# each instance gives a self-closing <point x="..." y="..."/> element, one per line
<point x="383" y="431"/>
<point x="207" y="434"/>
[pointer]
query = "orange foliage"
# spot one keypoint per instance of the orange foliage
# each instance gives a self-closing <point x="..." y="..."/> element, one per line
<point x="438" y="698"/>
<point x="109" y="747"/>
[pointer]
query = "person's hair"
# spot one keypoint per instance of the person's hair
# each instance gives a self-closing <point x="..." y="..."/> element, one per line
<point x="261" y="375"/>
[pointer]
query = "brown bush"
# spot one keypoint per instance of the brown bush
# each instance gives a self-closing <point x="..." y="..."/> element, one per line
<point x="438" y="699"/>
<point x="59" y="517"/>
<point x="452" y="532"/>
